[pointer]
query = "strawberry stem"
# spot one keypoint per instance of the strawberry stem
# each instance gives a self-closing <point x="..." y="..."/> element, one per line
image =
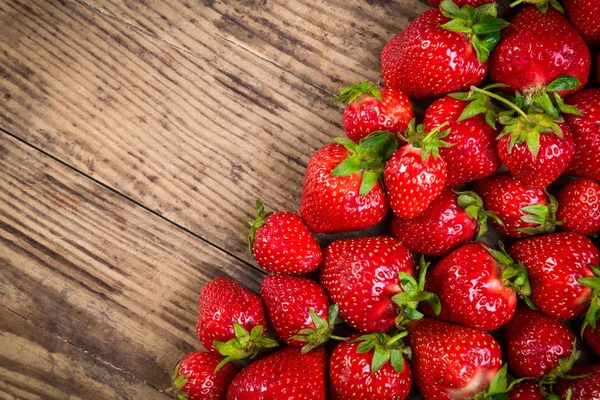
<point x="502" y="100"/>
<point x="259" y="221"/>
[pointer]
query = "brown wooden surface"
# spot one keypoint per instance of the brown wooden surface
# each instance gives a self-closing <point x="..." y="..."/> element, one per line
<point x="136" y="136"/>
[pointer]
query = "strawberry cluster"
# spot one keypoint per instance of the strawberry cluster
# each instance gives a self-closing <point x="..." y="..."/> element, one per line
<point x="511" y="123"/>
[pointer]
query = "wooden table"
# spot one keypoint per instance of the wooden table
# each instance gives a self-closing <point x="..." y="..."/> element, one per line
<point x="135" y="137"/>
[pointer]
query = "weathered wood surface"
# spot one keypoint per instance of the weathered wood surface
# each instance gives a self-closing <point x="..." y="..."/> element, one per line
<point x="93" y="269"/>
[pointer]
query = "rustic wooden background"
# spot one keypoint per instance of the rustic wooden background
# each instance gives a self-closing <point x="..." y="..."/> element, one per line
<point x="135" y="136"/>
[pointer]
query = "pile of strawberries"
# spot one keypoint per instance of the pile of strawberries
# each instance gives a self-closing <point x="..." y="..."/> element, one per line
<point x="374" y="321"/>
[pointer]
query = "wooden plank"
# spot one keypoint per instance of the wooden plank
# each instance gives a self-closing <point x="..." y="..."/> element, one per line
<point x="195" y="137"/>
<point x="328" y="43"/>
<point x="103" y="274"/>
<point x="35" y="364"/>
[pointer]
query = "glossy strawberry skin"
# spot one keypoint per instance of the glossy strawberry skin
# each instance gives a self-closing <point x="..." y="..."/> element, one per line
<point x="473" y="154"/>
<point x="538" y="171"/>
<point x="201" y="381"/>
<point x="411" y="183"/>
<point x="592" y="338"/>
<point x="505" y="196"/>
<point x="288" y="300"/>
<point x="450" y="361"/>
<point x="361" y="277"/>
<point x="585" y="16"/>
<point x="441" y="228"/>
<point x="223" y="302"/>
<point x="350" y="376"/>
<point x="367" y="114"/>
<point x="284" y="244"/>
<point x="526" y="390"/>
<point x="332" y="203"/>
<point x="460" y="3"/>
<point x="469" y="284"/>
<point x="426" y="61"/>
<point x="535" y="342"/>
<point x="586" y="134"/>
<point x="554" y="263"/>
<point x="579" y="206"/>
<point x="581" y="389"/>
<point x="285" y="374"/>
<point x="536" y="49"/>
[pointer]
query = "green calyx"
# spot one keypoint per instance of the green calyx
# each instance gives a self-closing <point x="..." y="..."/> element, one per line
<point x="245" y="345"/>
<point x="322" y="332"/>
<point x="473" y="206"/>
<point x="412" y="294"/>
<point x="368" y="156"/>
<point x="351" y="93"/>
<point x="179" y="382"/>
<point x="481" y="25"/>
<point x="514" y="274"/>
<point x="565" y="364"/>
<point x="542" y="216"/>
<point x="541" y="5"/>
<point x="501" y="384"/>
<point x="479" y="103"/>
<point x="261" y="218"/>
<point x="429" y="142"/>
<point x="385" y="349"/>
<point x="593" y="313"/>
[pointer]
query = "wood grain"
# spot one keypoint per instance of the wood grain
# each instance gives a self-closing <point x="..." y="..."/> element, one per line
<point x="194" y="137"/>
<point x="97" y="271"/>
<point x="35" y="364"/>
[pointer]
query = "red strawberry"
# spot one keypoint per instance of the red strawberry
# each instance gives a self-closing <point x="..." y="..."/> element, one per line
<point x="586" y="133"/>
<point x="341" y="189"/>
<point x="371" y="109"/>
<point x="452" y="219"/>
<point x="460" y="3"/>
<point x="450" y="361"/>
<point x="560" y="272"/>
<point x="440" y="51"/>
<point x="416" y="174"/>
<point x="231" y="320"/>
<point x="359" y="369"/>
<point x="298" y="309"/>
<point x="285" y="374"/>
<point x="370" y="280"/>
<point x="587" y="388"/>
<point x="579" y="206"/>
<point x="477" y="287"/>
<point x="522" y="211"/>
<point x="592" y="338"/>
<point x="537" y="48"/>
<point x="585" y="16"/>
<point x="473" y="154"/>
<point x="526" y="390"/>
<point x="195" y="377"/>
<point x="536" y="342"/>
<point x="281" y="242"/>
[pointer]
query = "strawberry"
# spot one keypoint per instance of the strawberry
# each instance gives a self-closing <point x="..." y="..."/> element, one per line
<point x="522" y="211"/>
<point x="195" y="377"/>
<point x="579" y="206"/>
<point x="585" y="388"/>
<point x="537" y="48"/>
<point x="586" y="133"/>
<point x="416" y="174"/>
<point x="371" y="280"/>
<point x="231" y="320"/>
<point x="442" y="51"/>
<point x="477" y="287"/>
<point x="585" y="16"/>
<point x="281" y="242"/>
<point x="536" y="342"/>
<point x="473" y="154"/>
<point x="298" y="309"/>
<point x="371" y="109"/>
<point x="450" y="361"/>
<point x="592" y="338"/>
<point x="526" y="390"/>
<point x="460" y="3"/>
<point x="341" y="190"/>
<point x="452" y="219"/>
<point x="285" y="374"/>
<point x="561" y="274"/>
<point x="370" y="367"/>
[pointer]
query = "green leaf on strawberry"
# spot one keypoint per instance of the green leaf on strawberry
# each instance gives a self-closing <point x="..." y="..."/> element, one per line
<point x="593" y="313"/>
<point x="245" y="345"/>
<point x="351" y="93"/>
<point x="385" y="349"/>
<point x="541" y="5"/>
